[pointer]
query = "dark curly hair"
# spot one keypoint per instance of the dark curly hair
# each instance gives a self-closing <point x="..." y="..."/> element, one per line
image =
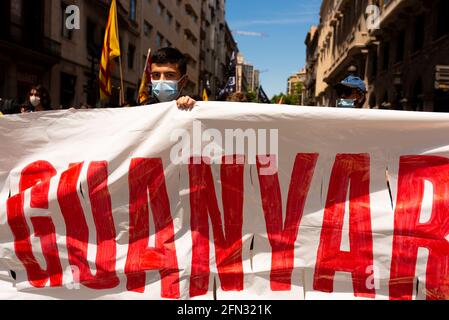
<point x="171" y="55"/>
<point x="43" y="94"/>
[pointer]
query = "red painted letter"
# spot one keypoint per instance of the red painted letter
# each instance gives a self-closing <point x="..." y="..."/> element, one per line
<point x="37" y="177"/>
<point x="228" y="244"/>
<point x="77" y="229"/>
<point x="147" y="176"/>
<point x="282" y="236"/>
<point x="353" y="171"/>
<point x="410" y="234"/>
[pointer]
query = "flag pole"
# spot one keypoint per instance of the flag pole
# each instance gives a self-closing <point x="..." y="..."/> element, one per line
<point x="122" y="91"/>
<point x="146" y="62"/>
<point x="144" y="91"/>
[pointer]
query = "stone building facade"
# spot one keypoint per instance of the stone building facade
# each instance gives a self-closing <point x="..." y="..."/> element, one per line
<point x="247" y="76"/>
<point x="37" y="48"/>
<point x="217" y="46"/>
<point x="342" y="42"/>
<point x="311" y="43"/>
<point x="294" y="80"/>
<point x="242" y="82"/>
<point x="403" y="59"/>
<point x="296" y="86"/>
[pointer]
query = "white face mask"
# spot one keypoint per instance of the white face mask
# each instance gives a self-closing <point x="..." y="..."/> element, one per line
<point x="35" y="101"/>
<point x="165" y="90"/>
<point x="346" y="103"/>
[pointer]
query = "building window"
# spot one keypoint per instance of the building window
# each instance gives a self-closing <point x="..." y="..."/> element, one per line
<point x="190" y="37"/>
<point x="442" y="23"/>
<point x="67" y="90"/>
<point x="130" y="96"/>
<point x="168" y="18"/>
<point x="400" y="46"/>
<point x="16" y="11"/>
<point x="159" y="39"/>
<point x="160" y="9"/>
<point x="190" y="12"/>
<point x="386" y="56"/>
<point x="132" y="10"/>
<point x="92" y="37"/>
<point x="420" y="25"/>
<point x="147" y="28"/>
<point x="131" y="55"/>
<point x="178" y="27"/>
<point x="65" y="32"/>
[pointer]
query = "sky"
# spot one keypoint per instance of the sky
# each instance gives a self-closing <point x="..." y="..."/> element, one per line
<point x="275" y="31"/>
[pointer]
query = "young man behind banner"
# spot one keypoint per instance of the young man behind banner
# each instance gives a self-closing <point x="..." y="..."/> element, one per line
<point x="169" y="78"/>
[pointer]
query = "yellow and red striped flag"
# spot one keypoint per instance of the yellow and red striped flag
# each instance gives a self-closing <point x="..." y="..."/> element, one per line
<point x="111" y="50"/>
<point x="144" y="92"/>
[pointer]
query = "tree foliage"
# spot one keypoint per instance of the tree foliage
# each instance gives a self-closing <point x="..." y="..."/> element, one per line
<point x="252" y="96"/>
<point x="290" y="99"/>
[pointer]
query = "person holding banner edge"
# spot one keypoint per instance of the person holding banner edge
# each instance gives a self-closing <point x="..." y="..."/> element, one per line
<point x="168" y="79"/>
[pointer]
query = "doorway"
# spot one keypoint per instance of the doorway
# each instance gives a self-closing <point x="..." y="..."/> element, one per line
<point x="441" y="101"/>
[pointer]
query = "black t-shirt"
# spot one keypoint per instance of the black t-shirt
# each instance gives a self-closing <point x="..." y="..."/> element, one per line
<point x="9" y="106"/>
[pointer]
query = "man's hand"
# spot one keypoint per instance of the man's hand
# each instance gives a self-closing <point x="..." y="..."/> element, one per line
<point x="185" y="103"/>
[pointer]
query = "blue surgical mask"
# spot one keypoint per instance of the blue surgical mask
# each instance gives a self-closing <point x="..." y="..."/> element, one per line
<point x="165" y="90"/>
<point x="345" y="103"/>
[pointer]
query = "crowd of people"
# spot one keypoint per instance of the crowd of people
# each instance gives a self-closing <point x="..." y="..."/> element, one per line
<point x="38" y="99"/>
<point x="168" y="80"/>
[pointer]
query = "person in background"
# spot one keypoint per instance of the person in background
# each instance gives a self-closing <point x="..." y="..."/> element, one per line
<point x="351" y="93"/>
<point x="237" y="97"/>
<point x="38" y="100"/>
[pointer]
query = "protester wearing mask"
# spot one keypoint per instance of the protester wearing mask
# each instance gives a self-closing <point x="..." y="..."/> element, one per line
<point x="351" y="93"/>
<point x="169" y="78"/>
<point x="38" y="100"/>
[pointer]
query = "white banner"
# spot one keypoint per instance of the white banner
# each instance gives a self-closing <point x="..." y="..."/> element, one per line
<point x="229" y="201"/>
